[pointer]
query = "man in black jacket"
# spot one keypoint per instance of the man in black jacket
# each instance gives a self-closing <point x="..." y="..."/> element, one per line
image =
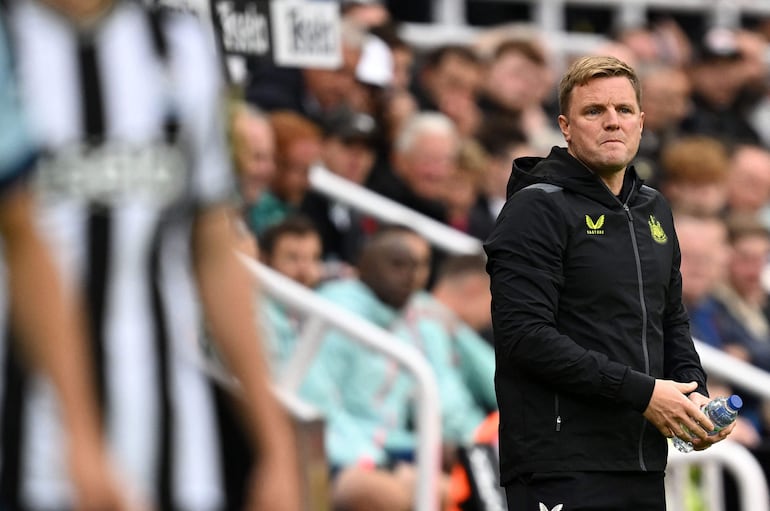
<point x="595" y="362"/>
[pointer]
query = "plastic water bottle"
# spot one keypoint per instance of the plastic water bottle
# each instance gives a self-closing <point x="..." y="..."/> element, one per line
<point x="722" y="411"/>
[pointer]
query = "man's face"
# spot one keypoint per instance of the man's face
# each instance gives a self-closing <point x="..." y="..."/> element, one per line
<point x="748" y="259"/>
<point x="392" y="276"/>
<point x="428" y="165"/>
<point x="292" y="180"/>
<point x="298" y="257"/>
<point x="603" y="126"/>
<point x="454" y="81"/>
<point x="332" y="87"/>
<point x="352" y="160"/>
<point x="255" y="158"/>
<point x="514" y="80"/>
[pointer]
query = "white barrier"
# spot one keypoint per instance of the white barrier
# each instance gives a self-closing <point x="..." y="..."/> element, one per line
<point x="729" y="455"/>
<point x="380" y="207"/>
<point x="323" y="314"/>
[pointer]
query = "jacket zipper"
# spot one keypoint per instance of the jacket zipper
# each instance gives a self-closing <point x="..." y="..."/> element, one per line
<point x="645" y="350"/>
<point x="556" y="412"/>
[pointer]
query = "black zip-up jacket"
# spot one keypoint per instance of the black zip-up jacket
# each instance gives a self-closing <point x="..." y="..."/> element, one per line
<point x="587" y="313"/>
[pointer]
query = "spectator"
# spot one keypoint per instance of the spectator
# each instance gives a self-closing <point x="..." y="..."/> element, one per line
<point x="311" y="92"/>
<point x="253" y="145"/>
<point x="449" y="81"/>
<point x="364" y="397"/>
<point x="666" y="102"/>
<point x="366" y="13"/>
<point x="463" y="190"/>
<point x="423" y="157"/>
<point x="423" y="258"/>
<point x="291" y="247"/>
<point x="516" y="85"/>
<point x="748" y="181"/>
<point x="443" y="324"/>
<point x="297" y="148"/>
<point x="718" y="80"/>
<point x="349" y="144"/>
<point x="503" y="143"/>
<point x="744" y="321"/>
<point x="695" y="170"/>
<point x="703" y="241"/>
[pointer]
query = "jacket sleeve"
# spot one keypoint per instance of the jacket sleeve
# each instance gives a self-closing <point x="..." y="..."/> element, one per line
<point x="681" y="361"/>
<point x="525" y="254"/>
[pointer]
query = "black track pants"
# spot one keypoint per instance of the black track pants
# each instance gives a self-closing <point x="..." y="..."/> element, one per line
<point x="587" y="491"/>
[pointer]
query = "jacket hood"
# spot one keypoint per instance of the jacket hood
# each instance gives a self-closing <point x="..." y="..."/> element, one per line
<point x="562" y="169"/>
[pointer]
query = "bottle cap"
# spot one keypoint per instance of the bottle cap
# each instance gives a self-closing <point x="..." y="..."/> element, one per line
<point x="735" y="402"/>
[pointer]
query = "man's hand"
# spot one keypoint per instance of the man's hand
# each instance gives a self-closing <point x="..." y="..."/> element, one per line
<point x="700" y="444"/>
<point x="671" y="411"/>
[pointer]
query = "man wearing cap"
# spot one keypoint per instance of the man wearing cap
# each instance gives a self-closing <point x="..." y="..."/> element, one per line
<point x="719" y="89"/>
<point x="349" y="146"/>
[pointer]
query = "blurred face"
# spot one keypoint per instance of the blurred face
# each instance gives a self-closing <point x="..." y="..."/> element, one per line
<point x="403" y="61"/>
<point x="747" y="261"/>
<point x="351" y="160"/>
<point x="460" y="193"/>
<point x="748" y="181"/>
<point x="332" y="87"/>
<point x="603" y="126"/>
<point x="697" y="198"/>
<point x="254" y="157"/>
<point x="298" y="257"/>
<point x="704" y="256"/>
<point x="291" y="181"/>
<point x="477" y="302"/>
<point x="513" y="80"/>
<point x="428" y="165"/>
<point x="453" y="82"/>
<point x="666" y="97"/>
<point x="718" y="81"/>
<point x="392" y="275"/>
<point x="422" y="255"/>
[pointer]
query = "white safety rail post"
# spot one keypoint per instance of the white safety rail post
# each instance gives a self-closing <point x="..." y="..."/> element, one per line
<point x="382" y="208"/>
<point x="729" y="455"/>
<point x="326" y="314"/>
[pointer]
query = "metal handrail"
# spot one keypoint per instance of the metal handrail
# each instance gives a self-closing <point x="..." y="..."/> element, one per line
<point x="324" y="314"/>
<point x="373" y="204"/>
<point x="729" y="455"/>
<point x="719" y="364"/>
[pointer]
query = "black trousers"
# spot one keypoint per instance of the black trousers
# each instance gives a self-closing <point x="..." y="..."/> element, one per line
<point x="587" y="491"/>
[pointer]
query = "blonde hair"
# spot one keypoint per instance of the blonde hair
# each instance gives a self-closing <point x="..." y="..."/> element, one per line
<point x="589" y="68"/>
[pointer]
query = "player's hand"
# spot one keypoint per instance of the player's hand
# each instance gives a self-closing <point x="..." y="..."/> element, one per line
<point x="97" y="486"/>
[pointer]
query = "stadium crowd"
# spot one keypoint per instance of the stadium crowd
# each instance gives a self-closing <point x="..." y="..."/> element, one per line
<point x="436" y="129"/>
<point x="437" y="133"/>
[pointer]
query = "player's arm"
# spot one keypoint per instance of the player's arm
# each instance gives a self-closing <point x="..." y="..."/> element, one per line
<point x="52" y="342"/>
<point x="227" y="298"/>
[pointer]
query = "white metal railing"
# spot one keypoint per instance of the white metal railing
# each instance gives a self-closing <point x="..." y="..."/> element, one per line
<point x="324" y="314"/>
<point x="347" y="192"/>
<point x="727" y="455"/>
<point x="717" y="363"/>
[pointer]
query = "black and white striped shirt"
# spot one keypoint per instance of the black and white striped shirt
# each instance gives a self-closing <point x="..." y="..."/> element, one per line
<point x="128" y="113"/>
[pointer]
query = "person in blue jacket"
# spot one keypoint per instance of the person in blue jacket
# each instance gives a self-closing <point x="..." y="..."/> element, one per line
<point x="595" y="364"/>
